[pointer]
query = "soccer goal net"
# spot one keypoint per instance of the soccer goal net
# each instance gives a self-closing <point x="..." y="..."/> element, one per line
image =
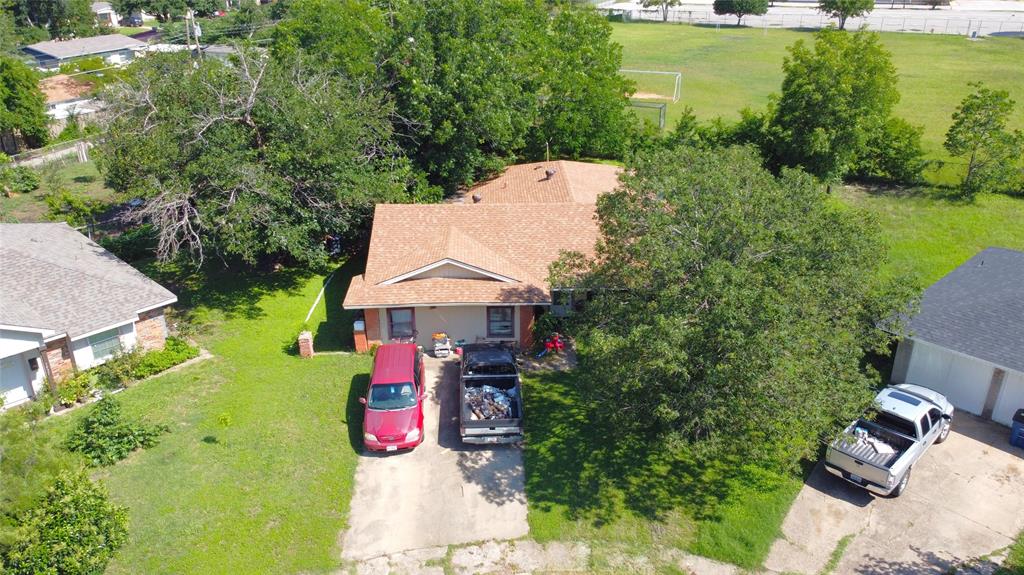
<point x="655" y="85"/>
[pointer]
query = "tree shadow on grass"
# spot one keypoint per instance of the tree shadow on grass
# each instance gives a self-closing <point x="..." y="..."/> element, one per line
<point x="233" y="289"/>
<point x="597" y="474"/>
<point x="335" y="332"/>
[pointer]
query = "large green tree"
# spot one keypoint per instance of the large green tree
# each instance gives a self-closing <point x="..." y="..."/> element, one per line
<point x="583" y="96"/>
<point x="995" y="154"/>
<point x="740" y="8"/>
<point x="475" y="83"/>
<point x="845" y="9"/>
<point x="730" y="309"/>
<point x="662" y="5"/>
<point x="262" y="157"/>
<point x="465" y="80"/>
<point x="24" y="107"/>
<point x="837" y="96"/>
<point x="62" y="19"/>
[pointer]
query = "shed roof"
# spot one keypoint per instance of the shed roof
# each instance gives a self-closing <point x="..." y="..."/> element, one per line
<point x="54" y="278"/>
<point x="978" y="309"/>
<point x="64" y="49"/>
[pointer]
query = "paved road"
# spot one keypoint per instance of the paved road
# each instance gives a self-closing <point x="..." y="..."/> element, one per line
<point x="985" y="17"/>
<point x="441" y="493"/>
<point x="965" y="500"/>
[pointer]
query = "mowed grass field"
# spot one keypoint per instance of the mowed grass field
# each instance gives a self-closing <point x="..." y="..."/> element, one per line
<point x="256" y="473"/>
<point x="929" y="234"/>
<point x="728" y="69"/>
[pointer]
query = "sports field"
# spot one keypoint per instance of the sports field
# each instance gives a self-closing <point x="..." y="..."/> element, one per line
<point x="728" y="69"/>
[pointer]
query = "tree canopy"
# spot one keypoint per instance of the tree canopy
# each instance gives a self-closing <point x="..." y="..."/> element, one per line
<point x="835" y="109"/>
<point x="845" y="9"/>
<point x="58" y="19"/>
<point x="262" y="157"/>
<point x="740" y="8"/>
<point x="744" y="303"/>
<point x="475" y="83"/>
<point x="995" y="154"/>
<point x="24" y="107"/>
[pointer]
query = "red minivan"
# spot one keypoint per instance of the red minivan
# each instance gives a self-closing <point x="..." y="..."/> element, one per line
<point x="393" y="418"/>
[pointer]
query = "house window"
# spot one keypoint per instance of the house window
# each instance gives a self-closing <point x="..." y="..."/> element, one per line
<point x="105" y="344"/>
<point x="401" y="322"/>
<point x="499" y="322"/>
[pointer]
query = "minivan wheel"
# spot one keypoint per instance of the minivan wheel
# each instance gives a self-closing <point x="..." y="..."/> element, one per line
<point x="902" y="485"/>
<point x="945" y="431"/>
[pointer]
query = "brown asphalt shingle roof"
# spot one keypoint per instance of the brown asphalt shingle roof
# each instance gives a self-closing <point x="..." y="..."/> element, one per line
<point x="522" y="224"/>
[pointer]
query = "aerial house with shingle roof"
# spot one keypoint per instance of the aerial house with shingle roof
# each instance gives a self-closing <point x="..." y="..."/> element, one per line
<point x="477" y="270"/>
<point x="67" y="304"/>
<point x="967" y="341"/>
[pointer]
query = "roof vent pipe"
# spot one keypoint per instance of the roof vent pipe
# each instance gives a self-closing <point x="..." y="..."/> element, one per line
<point x="476" y="198"/>
<point x="550" y="173"/>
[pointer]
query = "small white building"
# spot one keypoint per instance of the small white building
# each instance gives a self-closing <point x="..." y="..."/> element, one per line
<point x="967" y="342"/>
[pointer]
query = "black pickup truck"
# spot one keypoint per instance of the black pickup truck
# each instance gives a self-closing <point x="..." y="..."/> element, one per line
<point x="490" y="395"/>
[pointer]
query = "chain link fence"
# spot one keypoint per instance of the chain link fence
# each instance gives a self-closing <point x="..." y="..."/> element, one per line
<point x="878" y="23"/>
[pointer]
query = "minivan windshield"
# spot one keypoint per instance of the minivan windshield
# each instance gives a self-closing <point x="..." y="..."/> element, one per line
<point x="390" y="396"/>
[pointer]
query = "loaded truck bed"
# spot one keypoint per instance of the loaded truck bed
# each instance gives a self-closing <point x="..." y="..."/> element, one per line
<point x="490" y="398"/>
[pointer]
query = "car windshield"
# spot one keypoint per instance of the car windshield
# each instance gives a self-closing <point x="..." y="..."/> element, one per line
<point x="389" y="396"/>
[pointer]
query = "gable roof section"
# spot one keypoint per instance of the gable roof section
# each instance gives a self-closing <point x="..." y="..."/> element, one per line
<point x="978" y="309"/>
<point x="54" y="278"/>
<point x="63" y="49"/>
<point x="517" y="241"/>
<point x="578" y="182"/>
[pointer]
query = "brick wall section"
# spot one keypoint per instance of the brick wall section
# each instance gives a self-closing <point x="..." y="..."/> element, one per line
<point x="372" y="317"/>
<point x="57" y="356"/>
<point x="526" y="326"/>
<point x="151" y="330"/>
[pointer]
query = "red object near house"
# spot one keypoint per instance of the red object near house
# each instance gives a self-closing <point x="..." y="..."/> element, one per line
<point x="393" y="418"/>
<point x="554" y="343"/>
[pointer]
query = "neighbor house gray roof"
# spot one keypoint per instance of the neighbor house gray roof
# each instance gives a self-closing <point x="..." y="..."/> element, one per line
<point x="54" y="278"/>
<point x="978" y="309"/>
<point x="63" y="49"/>
<point x="98" y="7"/>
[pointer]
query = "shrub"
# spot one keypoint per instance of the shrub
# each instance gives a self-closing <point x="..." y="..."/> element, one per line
<point x="892" y="153"/>
<point x="74" y="530"/>
<point x="175" y="351"/>
<point x="21" y="179"/>
<point x="106" y="436"/>
<point x="74" y="208"/>
<point x="117" y="372"/>
<point x="76" y="388"/>
<point x="132" y="245"/>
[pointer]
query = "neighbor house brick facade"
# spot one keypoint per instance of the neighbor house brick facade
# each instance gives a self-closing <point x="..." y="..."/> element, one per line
<point x="477" y="269"/>
<point x="67" y="304"/>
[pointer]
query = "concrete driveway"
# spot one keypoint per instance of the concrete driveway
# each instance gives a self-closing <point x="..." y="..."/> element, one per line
<point x="965" y="500"/>
<point x="441" y="493"/>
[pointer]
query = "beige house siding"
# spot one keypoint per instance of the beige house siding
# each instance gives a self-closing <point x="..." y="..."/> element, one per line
<point x="459" y="322"/>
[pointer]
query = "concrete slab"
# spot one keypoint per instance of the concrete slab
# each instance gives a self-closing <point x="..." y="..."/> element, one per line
<point x="965" y="500"/>
<point x="441" y="493"/>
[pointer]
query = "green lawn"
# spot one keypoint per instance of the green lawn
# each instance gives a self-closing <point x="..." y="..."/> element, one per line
<point x="623" y="498"/>
<point x="256" y="473"/>
<point x="732" y="68"/>
<point x="80" y="178"/>
<point x="928" y="235"/>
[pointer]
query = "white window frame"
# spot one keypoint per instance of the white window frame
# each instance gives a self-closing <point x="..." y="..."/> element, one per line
<point x="103" y="338"/>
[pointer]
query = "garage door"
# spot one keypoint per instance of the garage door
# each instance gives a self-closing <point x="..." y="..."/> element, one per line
<point x="1011" y="397"/>
<point x="14" y="382"/>
<point x="963" y="380"/>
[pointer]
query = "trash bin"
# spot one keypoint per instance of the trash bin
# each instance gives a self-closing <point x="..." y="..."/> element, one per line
<point x="1017" y="429"/>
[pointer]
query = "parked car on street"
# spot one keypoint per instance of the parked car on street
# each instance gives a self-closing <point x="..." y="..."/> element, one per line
<point x="490" y="395"/>
<point x="878" y="453"/>
<point x="393" y="418"/>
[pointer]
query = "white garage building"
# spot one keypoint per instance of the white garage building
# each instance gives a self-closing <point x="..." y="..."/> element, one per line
<point x="968" y="339"/>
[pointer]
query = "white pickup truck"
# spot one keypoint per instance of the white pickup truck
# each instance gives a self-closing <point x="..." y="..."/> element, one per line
<point x="878" y="454"/>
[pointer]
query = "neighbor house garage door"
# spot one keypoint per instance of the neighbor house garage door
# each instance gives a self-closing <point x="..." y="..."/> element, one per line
<point x="14" y="382"/>
<point x="1011" y="397"/>
<point x="963" y="380"/>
